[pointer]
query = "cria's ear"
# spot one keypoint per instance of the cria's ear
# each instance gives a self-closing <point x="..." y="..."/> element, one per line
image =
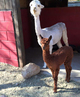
<point x="40" y="36"/>
<point x="49" y="38"/>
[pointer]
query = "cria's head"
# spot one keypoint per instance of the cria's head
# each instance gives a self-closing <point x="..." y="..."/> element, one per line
<point x="45" y="42"/>
<point x="35" y="7"/>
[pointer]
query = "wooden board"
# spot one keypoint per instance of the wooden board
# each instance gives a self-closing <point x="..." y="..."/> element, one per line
<point x="23" y="3"/>
<point x="8" y="4"/>
<point x="18" y="32"/>
<point x="2" y="4"/>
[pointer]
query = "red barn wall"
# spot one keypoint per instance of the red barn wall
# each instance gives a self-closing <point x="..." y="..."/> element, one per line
<point x="49" y="16"/>
<point x="8" y="52"/>
<point x="69" y="15"/>
<point x="26" y="27"/>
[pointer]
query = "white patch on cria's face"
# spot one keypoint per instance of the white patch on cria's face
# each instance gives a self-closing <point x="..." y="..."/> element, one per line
<point x="35" y="7"/>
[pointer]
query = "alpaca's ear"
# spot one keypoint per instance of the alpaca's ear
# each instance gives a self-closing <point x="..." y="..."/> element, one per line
<point x="42" y="6"/>
<point x="40" y="36"/>
<point x="49" y="38"/>
<point x="30" y="4"/>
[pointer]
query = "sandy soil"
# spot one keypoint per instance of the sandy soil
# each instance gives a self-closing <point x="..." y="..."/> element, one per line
<point x="12" y="84"/>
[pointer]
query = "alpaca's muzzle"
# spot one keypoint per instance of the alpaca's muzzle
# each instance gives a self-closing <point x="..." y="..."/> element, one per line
<point x="34" y="9"/>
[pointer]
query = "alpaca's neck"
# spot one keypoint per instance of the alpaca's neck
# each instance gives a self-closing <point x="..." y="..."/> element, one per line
<point x="37" y="25"/>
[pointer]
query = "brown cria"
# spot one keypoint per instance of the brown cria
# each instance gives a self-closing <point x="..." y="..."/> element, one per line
<point x="56" y="59"/>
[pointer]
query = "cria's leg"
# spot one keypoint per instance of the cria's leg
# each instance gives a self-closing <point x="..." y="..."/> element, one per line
<point x="59" y="44"/>
<point x="68" y="71"/>
<point x="52" y="73"/>
<point x="55" y="77"/>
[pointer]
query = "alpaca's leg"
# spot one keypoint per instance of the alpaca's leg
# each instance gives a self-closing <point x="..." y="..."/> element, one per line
<point x="50" y="49"/>
<point x="44" y="65"/>
<point x="59" y="44"/>
<point x="65" y="38"/>
<point x="55" y="75"/>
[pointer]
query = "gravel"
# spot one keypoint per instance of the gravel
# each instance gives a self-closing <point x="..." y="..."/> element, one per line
<point x="12" y="84"/>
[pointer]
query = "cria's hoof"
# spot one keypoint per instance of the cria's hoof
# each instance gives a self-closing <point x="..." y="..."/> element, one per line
<point x="65" y="79"/>
<point x="55" y="91"/>
<point x="68" y="81"/>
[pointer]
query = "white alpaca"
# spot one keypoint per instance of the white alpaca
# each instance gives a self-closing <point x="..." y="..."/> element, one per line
<point x="57" y="31"/>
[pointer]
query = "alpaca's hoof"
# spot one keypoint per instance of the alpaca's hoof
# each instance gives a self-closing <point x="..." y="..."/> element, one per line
<point x="44" y="66"/>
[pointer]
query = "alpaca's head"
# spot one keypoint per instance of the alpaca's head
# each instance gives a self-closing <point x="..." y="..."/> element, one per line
<point x="45" y="42"/>
<point x="35" y="7"/>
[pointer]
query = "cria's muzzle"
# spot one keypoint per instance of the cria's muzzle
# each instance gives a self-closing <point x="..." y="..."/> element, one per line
<point x="43" y="47"/>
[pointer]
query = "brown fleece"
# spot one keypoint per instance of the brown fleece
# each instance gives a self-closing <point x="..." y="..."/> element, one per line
<point x="54" y="60"/>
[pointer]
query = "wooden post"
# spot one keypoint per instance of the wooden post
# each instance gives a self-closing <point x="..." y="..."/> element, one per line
<point x="18" y="32"/>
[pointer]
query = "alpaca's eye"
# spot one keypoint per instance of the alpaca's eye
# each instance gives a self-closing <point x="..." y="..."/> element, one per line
<point x="38" y="5"/>
<point x="31" y="4"/>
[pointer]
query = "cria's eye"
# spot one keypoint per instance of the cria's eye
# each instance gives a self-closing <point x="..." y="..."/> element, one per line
<point x="47" y="43"/>
<point x="31" y="4"/>
<point x="38" y="5"/>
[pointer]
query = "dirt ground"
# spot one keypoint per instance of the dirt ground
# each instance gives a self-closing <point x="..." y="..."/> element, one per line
<point x="12" y="84"/>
